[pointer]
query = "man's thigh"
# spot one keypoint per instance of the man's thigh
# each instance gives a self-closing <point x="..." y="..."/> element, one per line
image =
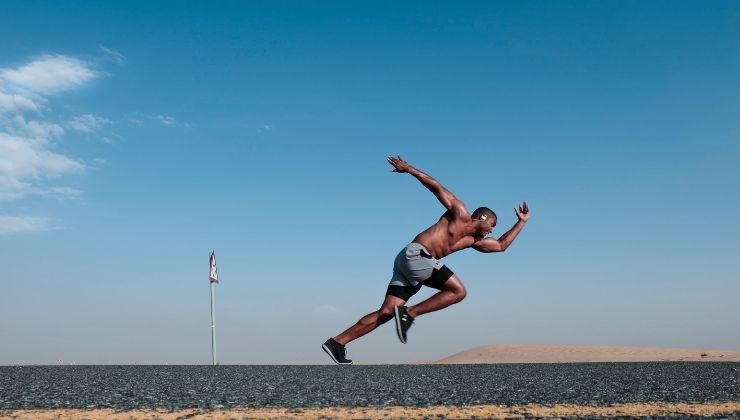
<point x="391" y="302"/>
<point x="452" y="284"/>
<point x="398" y="295"/>
<point x="442" y="279"/>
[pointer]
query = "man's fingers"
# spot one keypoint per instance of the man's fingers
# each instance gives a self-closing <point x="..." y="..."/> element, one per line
<point x="394" y="162"/>
<point x="523" y="209"/>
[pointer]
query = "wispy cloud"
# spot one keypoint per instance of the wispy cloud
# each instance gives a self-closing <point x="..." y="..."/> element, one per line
<point x="167" y="120"/>
<point x="40" y="131"/>
<point x="15" y="102"/>
<point x="113" y="56"/>
<point x="265" y="128"/>
<point x="87" y="123"/>
<point x="25" y="163"/>
<point x="47" y="75"/>
<point x="27" y="156"/>
<point x="30" y="163"/>
<point x="15" y="224"/>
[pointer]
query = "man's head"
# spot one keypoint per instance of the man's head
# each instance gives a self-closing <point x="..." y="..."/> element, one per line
<point x="486" y="220"/>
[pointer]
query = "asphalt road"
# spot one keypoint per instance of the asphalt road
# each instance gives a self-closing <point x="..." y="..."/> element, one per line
<point x="177" y="387"/>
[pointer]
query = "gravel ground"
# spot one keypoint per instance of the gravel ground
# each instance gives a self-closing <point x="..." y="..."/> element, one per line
<point x="223" y="387"/>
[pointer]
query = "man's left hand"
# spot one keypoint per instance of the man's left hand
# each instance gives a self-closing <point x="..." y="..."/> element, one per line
<point x="522" y="212"/>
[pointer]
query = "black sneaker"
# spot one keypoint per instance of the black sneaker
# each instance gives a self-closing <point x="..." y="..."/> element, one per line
<point x="336" y="351"/>
<point x="403" y="322"/>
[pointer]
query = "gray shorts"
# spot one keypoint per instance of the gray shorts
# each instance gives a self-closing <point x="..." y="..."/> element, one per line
<point x="414" y="266"/>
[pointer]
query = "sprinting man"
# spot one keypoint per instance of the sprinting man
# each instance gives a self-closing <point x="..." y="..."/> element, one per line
<point x="418" y="264"/>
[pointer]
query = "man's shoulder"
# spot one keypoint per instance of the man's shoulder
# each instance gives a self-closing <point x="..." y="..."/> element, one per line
<point x="453" y="215"/>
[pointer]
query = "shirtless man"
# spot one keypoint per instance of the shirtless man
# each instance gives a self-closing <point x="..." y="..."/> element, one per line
<point x="418" y="263"/>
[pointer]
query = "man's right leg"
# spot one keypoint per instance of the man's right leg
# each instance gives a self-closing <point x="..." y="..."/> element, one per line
<point x="370" y="321"/>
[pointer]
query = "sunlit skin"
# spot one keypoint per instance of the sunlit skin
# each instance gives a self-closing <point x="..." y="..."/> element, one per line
<point x="455" y="230"/>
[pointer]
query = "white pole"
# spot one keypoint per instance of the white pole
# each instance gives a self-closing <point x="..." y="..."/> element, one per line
<point x="213" y="325"/>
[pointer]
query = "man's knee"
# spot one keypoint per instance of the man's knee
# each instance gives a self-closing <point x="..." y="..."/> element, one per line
<point x="463" y="294"/>
<point x="384" y="314"/>
<point x="455" y="286"/>
<point x="458" y="292"/>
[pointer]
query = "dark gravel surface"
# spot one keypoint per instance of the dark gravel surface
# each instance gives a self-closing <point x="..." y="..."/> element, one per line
<point x="208" y="387"/>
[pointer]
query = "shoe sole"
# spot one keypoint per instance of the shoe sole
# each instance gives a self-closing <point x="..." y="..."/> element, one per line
<point x="326" y="349"/>
<point x="397" y="316"/>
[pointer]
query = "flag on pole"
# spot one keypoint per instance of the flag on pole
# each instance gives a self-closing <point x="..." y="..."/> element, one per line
<point x="213" y="276"/>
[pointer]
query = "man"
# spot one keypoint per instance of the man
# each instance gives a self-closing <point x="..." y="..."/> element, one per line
<point x="418" y="263"/>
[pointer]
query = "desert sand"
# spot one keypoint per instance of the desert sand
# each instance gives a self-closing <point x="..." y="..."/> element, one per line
<point x="507" y="353"/>
<point x="482" y="411"/>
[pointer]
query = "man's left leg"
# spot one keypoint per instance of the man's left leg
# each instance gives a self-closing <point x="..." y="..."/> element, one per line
<point x="335" y="346"/>
<point x="370" y="321"/>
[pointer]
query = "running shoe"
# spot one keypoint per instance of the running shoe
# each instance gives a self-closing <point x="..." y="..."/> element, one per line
<point x="336" y="351"/>
<point x="403" y="322"/>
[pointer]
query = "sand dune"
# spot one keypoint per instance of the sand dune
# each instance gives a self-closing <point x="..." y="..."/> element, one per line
<point x="502" y="353"/>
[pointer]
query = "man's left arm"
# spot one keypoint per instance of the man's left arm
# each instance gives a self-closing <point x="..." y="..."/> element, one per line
<point x="500" y="244"/>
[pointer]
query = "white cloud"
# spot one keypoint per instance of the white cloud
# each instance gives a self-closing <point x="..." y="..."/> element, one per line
<point x="65" y="192"/>
<point x="13" y="102"/>
<point x="17" y="224"/>
<point x="12" y="188"/>
<point x="87" y="123"/>
<point x="136" y="121"/>
<point x="37" y="130"/>
<point x="22" y="162"/>
<point x="48" y="74"/>
<point x="166" y="120"/>
<point x="28" y="156"/>
<point x="140" y="119"/>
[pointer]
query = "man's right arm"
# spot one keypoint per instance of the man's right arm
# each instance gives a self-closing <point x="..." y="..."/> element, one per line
<point x="448" y="200"/>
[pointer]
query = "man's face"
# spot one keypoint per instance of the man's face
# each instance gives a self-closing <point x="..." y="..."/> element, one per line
<point x="486" y="226"/>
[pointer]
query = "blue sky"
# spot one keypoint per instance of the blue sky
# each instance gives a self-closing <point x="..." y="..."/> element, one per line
<point x="136" y="137"/>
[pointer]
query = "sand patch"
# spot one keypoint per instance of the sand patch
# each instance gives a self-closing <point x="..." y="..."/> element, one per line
<point x="501" y="353"/>
<point x="481" y="411"/>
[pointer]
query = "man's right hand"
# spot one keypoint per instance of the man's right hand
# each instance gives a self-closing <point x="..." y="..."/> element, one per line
<point x="399" y="165"/>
